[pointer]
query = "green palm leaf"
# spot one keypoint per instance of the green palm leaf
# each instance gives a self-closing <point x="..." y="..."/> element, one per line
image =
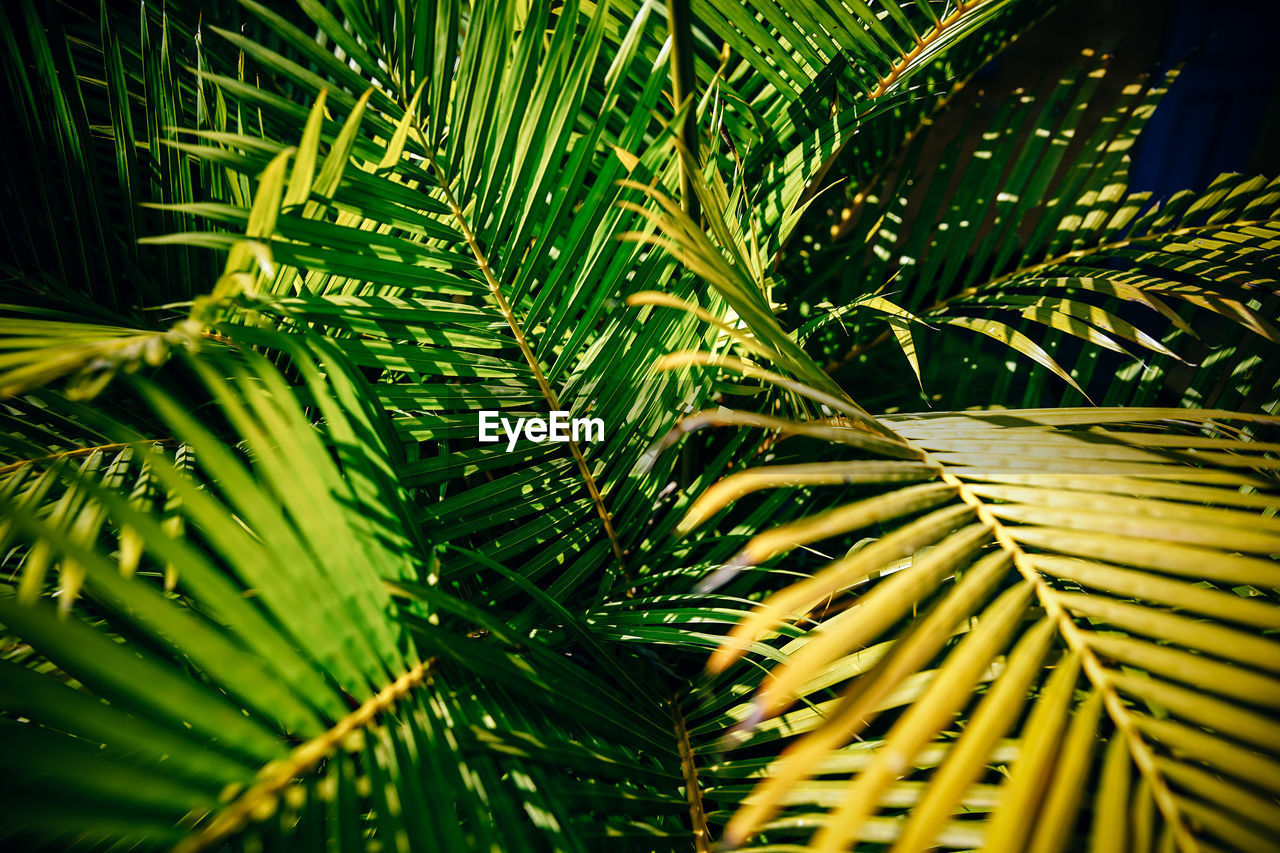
<point x="288" y="698"/>
<point x="1035" y="246"/>
<point x="269" y="590"/>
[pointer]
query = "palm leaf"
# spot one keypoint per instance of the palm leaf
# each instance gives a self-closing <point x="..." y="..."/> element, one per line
<point x="299" y="605"/>
<point x="1160" y="515"/>
<point x="288" y="698"/>
<point x="1035" y="243"/>
<point x="311" y="253"/>
<point x="1163" y="514"/>
<point x="95" y="95"/>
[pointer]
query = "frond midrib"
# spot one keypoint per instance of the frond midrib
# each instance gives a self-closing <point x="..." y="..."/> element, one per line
<point x="1141" y="752"/>
<point x="1066" y="257"/>
<point x="526" y="350"/>
<point x="275" y="777"/>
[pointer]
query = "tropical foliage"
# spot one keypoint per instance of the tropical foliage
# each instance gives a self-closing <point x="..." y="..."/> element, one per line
<point x="266" y="590"/>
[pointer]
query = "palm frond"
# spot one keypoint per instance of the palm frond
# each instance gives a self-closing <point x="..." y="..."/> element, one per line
<point x="95" y="94"/>
<point x="360" y="252"/>
<point x="267" y="589"/>
<point x="273" y="691"/>
<point x="1162" y="514"/>
<point x="1135" y="541"/>
<point x="1022" y="243"/>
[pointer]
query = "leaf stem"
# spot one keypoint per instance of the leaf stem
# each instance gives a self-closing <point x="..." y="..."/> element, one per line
<point x="278" y="775"/>
<point x="1142" y="754"/>
<point x="922" y="44"/>
<point x="697" y="812"/>
<point x="81" y="451"/>
<point x="856" y="351"/>
<point x="530" y="357"/>
<point x="679" y="25"/>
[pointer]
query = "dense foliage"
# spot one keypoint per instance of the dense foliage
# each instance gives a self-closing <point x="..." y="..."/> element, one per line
<point x="265" y="590"/>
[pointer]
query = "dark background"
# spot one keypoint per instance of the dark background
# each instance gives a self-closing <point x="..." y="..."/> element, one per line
<point x="1222" y="114"/>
